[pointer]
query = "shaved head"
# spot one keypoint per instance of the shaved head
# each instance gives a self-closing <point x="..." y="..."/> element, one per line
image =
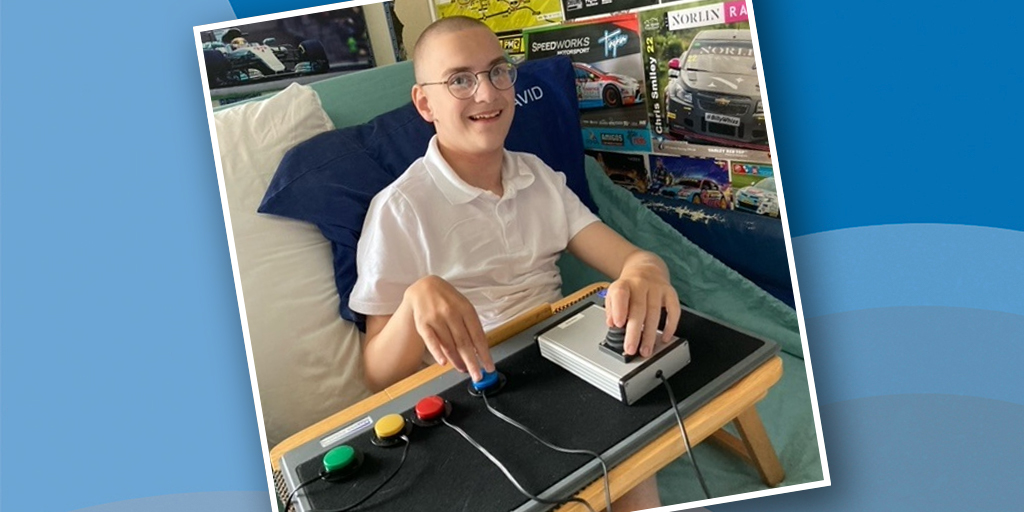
<point x="439" y="27"/>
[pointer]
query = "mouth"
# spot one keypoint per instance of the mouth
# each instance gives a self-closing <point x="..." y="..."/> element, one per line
<point x="486" y="116"/>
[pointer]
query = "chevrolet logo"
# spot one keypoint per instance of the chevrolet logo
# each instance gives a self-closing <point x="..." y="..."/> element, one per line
<point x="722" y="101"/>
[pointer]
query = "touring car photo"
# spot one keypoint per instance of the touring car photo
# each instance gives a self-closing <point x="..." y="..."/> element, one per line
<point x="697" y="191"/>
<point x="233" y="60"/>
<point x="716" y="96"/>
<point x="595" y="88"/>
<point x="630" y="179"/>
<point x="760" y="198"/>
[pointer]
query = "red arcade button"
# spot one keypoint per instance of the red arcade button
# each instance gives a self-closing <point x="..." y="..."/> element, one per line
<point x="430" y="408"/>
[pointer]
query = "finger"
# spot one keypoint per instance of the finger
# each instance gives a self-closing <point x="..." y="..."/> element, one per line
<point x="617" y="304"/>
<point x="673" y="312"/>
<point x="467" y="352"/>
<point x="449" y="347"/>
<point x="480" y="344"/>
<point x="430" y="341"/>
<point x="649" y="337"/>
<point x="634" y="325"/>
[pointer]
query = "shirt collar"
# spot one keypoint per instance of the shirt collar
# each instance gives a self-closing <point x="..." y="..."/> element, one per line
<point x="514" y="176"/>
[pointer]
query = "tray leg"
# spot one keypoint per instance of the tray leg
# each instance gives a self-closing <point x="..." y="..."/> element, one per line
<point x="753" y="446"/>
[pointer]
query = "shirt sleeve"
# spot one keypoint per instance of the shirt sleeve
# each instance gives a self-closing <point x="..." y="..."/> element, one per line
<point x="387" y="258"/>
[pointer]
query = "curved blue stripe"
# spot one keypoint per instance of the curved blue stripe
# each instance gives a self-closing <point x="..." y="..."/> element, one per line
<point x="910" y="265"/>
<point x="903" y="350"/>
<point x="929" y="453"/>
<point x="226" y="501"/>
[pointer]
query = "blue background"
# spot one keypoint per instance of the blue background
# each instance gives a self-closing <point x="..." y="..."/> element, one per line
<point x="122" y="364"/>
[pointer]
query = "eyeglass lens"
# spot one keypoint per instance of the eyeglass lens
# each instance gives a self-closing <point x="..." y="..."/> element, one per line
<point x="462" y="85"/>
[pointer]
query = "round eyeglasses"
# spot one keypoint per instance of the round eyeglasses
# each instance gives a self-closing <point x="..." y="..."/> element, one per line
<point x="463" y="85"/>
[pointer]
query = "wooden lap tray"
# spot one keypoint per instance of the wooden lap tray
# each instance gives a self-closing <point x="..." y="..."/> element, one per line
<point x="735" y="404"/>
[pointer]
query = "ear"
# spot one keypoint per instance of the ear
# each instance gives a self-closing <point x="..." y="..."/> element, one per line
<point x="419" y="100"/>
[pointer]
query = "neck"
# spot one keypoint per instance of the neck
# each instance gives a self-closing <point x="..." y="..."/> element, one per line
<point x="481" y="170"/>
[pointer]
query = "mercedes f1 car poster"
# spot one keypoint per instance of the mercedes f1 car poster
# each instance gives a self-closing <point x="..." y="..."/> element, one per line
<point x="701" y="72"/>
<point x="609" y="78"/>
<point x="246" y="61"/>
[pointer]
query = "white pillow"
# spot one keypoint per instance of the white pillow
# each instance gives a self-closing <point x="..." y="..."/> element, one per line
<point x="306" y="357"/>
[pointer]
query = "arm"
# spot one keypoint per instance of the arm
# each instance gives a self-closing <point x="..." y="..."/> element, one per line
<point x="432" y="315"/>
<point x="641" y="288"/>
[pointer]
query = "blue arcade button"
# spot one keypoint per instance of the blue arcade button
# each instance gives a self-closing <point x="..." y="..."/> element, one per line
<point x="488" y="380"/>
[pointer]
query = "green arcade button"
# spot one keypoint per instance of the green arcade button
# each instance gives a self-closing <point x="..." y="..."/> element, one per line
<point x="339" y="458"/>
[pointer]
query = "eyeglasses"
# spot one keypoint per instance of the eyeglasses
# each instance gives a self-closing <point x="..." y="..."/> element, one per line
<point x="463" y="85"/>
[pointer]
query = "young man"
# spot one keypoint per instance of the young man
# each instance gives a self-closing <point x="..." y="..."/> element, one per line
<point x="468" y="236"/>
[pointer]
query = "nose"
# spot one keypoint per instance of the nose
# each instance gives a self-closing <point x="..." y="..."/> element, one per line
<point x="486" y="92"/>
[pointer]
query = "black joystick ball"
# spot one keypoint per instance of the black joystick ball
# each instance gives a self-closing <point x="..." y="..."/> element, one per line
<point x="616" y="338"/>
<point x="614" y="344"/>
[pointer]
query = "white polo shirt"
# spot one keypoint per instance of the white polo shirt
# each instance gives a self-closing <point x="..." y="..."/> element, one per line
<point x="499" y="252"/>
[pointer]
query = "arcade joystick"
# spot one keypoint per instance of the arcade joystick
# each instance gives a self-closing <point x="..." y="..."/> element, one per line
<point x="431" y="411"/>
<point x="390" y="430"/>
<point x="614" y="344"/>
<point x="583" y="344"/>
<point x="490" y="384"/>
<point x="340" y="463"/>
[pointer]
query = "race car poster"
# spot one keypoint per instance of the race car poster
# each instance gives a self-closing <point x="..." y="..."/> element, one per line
<point x="701" y="181"/>
<point x="247" y="61"/>
<point x="627" y="170"/>
<point x="503" y="15"/>
<point x="701" y="74"/>
<point x="575" y="9"/>
<point x="754" y="186"/>
<point x="609" y="78"/>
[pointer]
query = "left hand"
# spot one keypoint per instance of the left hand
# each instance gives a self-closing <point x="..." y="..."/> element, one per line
<point x="636" y="300"/>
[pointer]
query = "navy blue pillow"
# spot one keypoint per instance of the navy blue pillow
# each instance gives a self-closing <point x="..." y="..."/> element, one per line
<point x="330" y="179"/>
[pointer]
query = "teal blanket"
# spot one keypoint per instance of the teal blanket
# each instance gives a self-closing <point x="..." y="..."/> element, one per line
<point x="707" y="285"/>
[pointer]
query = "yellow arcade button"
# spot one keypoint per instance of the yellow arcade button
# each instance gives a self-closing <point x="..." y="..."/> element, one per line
<point x="389" y="426"/>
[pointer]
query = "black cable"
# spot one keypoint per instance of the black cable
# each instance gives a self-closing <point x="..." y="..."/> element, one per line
<point x="514" y="423"/>
<point x="405" y="452"/>
<point x="508" y="475"/>
<point x="686" y="439"/>
<point x="291" y="496"/>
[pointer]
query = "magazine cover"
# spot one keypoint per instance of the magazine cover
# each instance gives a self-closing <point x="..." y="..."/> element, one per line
<point x="248" y="60"/>
<point x="503" y="16"/>
<point x="609" y="78"/>
<point x="702" y="75"/>
<point x="627" y="170"/>
<point x="755" y="188"/>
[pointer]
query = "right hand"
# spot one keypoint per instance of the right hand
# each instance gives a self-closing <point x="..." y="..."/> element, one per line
<point x="449" y="326"/>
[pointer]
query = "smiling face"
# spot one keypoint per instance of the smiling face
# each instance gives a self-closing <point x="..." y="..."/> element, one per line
<point x="475" y="126"/>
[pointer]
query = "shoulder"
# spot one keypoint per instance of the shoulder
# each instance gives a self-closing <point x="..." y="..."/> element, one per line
<point x="411" y="189"/>
<point x="532" y="164"/>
